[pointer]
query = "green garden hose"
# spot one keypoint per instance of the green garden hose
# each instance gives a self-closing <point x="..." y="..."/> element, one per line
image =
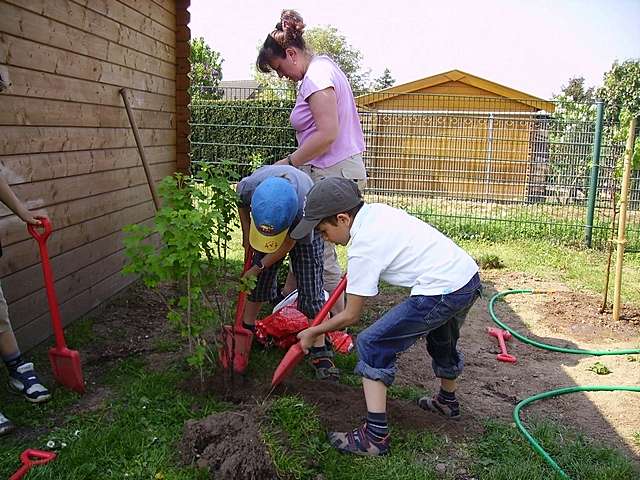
<point x="544" y="346"/>
<point x="560" y="391"/>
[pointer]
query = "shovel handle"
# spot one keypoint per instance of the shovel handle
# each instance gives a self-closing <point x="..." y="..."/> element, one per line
<point x="41" y="238"/>
<point x="33" y="230"/>
<point x="339" y="290"/>
<point x="242" y="296"/>
<point x="21" y="472"/>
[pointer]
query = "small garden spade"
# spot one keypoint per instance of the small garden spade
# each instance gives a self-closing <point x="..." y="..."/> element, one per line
<point x="65" y="363"/>
<point x="295" y="353"/>
<point x="236" y="340"/>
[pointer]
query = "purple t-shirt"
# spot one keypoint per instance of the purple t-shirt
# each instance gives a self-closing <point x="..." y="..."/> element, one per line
<point x="324" y="73"/>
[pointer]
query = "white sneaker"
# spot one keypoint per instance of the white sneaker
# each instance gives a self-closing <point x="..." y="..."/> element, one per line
<point x="6" y="425"/>
<point x="25" y="381"/>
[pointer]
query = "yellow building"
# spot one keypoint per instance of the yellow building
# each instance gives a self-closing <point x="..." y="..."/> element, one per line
<point x="456" y="135"/>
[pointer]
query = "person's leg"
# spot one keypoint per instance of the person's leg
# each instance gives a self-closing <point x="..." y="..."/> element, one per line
<point x="447" y="363"/>
<point x="306" y="262"/>
<point x="22" y="375"/>
<point x="332" y="274"/>
<point x="378" y="347"/>
<point x="353" y="169"/>
<point x="447" y="360"/>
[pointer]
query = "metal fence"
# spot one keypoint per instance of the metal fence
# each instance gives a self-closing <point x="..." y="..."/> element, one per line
<point x="475" y="167"/>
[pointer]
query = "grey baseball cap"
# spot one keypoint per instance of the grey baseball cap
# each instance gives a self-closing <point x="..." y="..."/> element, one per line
<point x="329" y="196"/>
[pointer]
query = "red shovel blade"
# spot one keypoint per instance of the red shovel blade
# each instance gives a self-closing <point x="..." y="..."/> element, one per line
<point x="287" y="364"/>
<point x="31" y="458"/>
<point x="67" y="369"/>
<point x="240" y="352"/>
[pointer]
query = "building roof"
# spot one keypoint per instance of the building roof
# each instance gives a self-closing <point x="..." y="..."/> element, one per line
<point x="460" y="77"/>
<point x="239" y="89"/>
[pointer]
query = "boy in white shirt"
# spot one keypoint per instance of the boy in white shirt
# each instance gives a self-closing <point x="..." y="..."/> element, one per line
<point x="389" y="244"/>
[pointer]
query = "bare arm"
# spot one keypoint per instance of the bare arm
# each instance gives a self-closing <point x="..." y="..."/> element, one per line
<point x="324" y="108"/>
<point x="272" y="258"/>
<point x="15" y="205"/>
<point x="245" y="223"/>
<point x="349" y="316"/>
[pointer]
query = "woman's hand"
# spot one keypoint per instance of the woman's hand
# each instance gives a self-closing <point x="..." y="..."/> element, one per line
<point x="284" y="161"/>
<point x="307" y="337"/>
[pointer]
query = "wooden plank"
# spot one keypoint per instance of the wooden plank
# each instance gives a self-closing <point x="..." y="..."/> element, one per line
<point x="17" y="169"/>
<point x="19" y="140"/>
<point x="31" y="26"/>
<point x="56" y="113"/>
<point x="39" y="329"/>
<point x="155" y="12"/>
<point x="29" y="83"/>
<point x="24" y="254"/>
<point x="82" y="207"/>
<point x="35" y="304"/>
<point x="20" y="284"/>
<point x="132" y="19"/>
<point x="169" y="5"/>
<point x="48" y="59"/>
<point x="74" y="15"/>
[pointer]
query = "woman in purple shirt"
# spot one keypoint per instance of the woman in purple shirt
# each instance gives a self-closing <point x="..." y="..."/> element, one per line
<point x="325" y="118"/>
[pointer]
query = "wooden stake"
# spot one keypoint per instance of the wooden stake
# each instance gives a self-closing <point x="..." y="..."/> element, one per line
<point x="610" y="249"/>
<point x="136" y="134"/>
<point x="622" y="221"/>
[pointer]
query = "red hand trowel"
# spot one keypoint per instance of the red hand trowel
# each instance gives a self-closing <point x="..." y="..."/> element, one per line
<point x="65" y="363"/>
<point x="295" y="353"/>
<point x="236" y="340"/>
<point x="31" y="458"/>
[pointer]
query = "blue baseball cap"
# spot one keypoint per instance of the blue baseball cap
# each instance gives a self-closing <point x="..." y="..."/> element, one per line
<point x="274" y="205"/>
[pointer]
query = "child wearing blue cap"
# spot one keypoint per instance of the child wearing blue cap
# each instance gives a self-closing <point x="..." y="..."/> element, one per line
<point x="271" y="202"/>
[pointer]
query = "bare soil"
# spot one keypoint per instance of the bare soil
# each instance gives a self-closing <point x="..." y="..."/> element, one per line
<point x="488" y="389"/>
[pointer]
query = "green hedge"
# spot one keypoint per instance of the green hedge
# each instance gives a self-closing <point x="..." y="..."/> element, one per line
<point x="246" y="133"/>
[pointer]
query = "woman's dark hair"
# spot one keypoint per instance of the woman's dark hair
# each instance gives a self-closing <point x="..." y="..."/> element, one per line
<point x="288" y="33"/>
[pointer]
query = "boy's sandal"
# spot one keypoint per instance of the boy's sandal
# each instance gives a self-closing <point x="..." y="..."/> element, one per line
<point x="431" y="404"/>
<point x="358" y="443"/>
<point x="319" y="360"/>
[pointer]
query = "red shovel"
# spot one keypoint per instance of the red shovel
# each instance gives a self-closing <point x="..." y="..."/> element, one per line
<point x="31" y="458"/>
<point x="502" y="335"/>
<point x="65" y="363"/>
<point x="236" y="340"/>
<point x="295" y="353"/>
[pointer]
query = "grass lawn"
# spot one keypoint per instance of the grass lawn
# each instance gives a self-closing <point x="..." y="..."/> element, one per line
<point x="133" y="432"/>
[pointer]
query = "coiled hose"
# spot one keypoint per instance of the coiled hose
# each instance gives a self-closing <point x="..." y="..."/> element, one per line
<point x="560" y="391"/>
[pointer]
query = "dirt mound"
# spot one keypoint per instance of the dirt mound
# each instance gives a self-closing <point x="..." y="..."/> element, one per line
<point x="229" y="445"/>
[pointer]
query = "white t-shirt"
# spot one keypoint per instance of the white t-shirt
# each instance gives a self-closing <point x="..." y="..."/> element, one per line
<point x="389" y="244"/>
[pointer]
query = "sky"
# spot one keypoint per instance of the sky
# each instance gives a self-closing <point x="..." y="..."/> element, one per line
<point x="531" y="46"/>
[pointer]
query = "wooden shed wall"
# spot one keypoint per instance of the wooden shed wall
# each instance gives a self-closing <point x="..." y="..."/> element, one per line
<point x="463" y="156"/>
<point x="67" y="147"/>
<point x="440" y="152"/>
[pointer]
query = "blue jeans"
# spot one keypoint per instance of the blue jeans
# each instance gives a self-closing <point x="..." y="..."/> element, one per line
<point x="438" y="317"/>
